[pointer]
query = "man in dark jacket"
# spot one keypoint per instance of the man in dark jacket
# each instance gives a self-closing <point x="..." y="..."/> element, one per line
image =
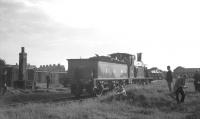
<point x="197" y="81"/>
<point x="169" y="78"/>
<point x="178" y="88"/>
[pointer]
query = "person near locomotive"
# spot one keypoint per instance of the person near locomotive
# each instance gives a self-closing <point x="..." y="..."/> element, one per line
<point x="169" y="78"/>
<point x="197" y="81"/>
<point x="3" y="82"/>
<point x="178" y="88"/>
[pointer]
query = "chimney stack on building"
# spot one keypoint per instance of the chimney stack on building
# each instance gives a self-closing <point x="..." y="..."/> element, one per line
<point x="22" y="64"/>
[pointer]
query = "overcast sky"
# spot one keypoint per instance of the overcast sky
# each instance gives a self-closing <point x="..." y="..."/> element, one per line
<point x="167" y="32"/>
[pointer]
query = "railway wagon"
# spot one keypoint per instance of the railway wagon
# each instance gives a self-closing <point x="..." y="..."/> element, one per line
<point x="94" y="75"/>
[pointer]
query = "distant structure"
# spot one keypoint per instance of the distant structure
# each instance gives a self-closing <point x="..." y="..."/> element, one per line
<point x="2" y="65"/>
<point x="22" y="64"/>
<point x="185" y="71"/>
<point x="25" y="76"/>
<point x="22" y="71"/>
<point x="2" y="62"/>
<point x="29" y="66"/>
<point x="52" y="68"/>
<point x="156" y="73"/>
<point x="57" y="73"/>
<point x="22" y="75"/>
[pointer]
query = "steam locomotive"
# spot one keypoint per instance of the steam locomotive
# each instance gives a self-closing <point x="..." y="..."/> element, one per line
<point x="97" y="74"/>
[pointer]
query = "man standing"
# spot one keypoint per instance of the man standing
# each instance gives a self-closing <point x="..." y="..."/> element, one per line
<point x="169" y="78"/>
<point x="178" y="88"/>
<point x="4" y="85"/>
<point x="196" y="81"/>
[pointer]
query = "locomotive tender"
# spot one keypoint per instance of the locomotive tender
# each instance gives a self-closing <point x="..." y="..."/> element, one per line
<point x="100" y="73"/>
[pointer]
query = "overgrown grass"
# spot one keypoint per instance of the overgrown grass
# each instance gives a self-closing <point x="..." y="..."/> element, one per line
<point x="142" y="102"/>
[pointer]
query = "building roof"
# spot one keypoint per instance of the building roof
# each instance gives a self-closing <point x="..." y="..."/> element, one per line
<point x="155" y="70"/>
<point x="127" y="54"/>
<point x="182" y="69"/>
<point x="99" y="58"/>
<point x="114" y="57"/>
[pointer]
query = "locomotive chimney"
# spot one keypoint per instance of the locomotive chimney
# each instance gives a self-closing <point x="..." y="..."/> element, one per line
<point x="22" y="49"/>
<point x="139" y="57"/>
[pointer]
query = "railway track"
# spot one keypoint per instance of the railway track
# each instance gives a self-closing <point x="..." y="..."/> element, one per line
<point x="61" y="100"/>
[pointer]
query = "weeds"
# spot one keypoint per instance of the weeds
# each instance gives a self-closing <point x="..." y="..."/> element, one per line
<point x="142" y="102"/>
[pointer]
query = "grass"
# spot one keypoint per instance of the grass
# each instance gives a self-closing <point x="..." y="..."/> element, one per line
<point x="142" y="102"/>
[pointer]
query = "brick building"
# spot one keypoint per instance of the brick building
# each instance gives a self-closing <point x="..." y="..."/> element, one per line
<point x="185" y="71"/>
<point x="52" y="68"/>
<point x="156" y="73"/>
<point x="57" y="73"/>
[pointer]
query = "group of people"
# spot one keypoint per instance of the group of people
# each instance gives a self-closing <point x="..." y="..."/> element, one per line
<point x="180" y="84"/>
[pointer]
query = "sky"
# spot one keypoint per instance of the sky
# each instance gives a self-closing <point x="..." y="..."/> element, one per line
<point x="167" y="32"/>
